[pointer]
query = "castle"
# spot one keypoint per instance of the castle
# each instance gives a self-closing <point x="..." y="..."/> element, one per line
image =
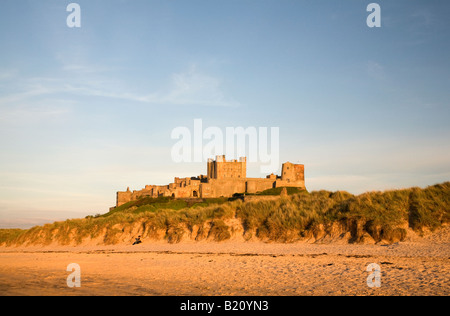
<point x="224" y="178"/>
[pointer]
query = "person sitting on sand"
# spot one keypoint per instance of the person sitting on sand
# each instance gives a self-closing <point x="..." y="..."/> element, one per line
<point x="138" y="240"/>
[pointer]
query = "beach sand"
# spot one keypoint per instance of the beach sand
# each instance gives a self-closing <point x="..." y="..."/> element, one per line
<point x="416" y="267"/>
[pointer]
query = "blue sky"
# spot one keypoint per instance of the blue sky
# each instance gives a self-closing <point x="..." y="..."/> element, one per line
<point x="85" y="112"/>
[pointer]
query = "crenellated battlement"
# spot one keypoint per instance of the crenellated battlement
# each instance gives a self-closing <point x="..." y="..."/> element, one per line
<point x="224" y="178"/>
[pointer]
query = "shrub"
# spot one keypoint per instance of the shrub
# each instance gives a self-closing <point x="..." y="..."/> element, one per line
<point x="219" y="231"/>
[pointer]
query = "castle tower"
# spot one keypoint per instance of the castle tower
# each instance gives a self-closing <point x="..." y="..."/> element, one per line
<point x="210" y="168"/>
<point x="292" y="172"/>
<point x="223" y="169"/>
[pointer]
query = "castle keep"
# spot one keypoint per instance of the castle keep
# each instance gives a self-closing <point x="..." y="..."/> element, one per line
<point x="224" y="178"/>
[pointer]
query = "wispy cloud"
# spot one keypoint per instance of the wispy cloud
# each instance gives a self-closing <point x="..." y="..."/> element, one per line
<point x="27" y="92"/>
<point x="26" y="114"/>
<point x="186" y="88"/>
<point x="191" y="87"/>
<point x="375" y="70"/>
<point x="84" y="69"/>
<point x="7" y="74"/>
<point x="195" y="88"/>
<point x="423" y="18"/>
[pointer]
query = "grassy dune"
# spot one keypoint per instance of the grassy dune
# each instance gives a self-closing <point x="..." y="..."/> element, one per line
<point x="316" y="216"/>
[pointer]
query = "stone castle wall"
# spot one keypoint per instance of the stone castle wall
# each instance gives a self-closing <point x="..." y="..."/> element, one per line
<point x="224" y="178"/>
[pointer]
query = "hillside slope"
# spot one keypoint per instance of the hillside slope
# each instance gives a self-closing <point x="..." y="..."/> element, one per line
<point x="322" y="216"/>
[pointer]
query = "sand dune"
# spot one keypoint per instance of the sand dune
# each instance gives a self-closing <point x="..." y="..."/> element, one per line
<point x="419" y="266"/>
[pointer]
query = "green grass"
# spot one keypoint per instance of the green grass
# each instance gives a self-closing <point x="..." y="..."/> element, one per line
<point x="286" y="219"/>
<point x="274" y="191"/>
<point x="277" y="191"/>
<point x="9" y="235"/>
<point x="381" y="215"/>
<point x="149" y="204"/>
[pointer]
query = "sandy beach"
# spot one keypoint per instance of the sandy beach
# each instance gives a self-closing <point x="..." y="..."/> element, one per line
<point x="415" y="267"/>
